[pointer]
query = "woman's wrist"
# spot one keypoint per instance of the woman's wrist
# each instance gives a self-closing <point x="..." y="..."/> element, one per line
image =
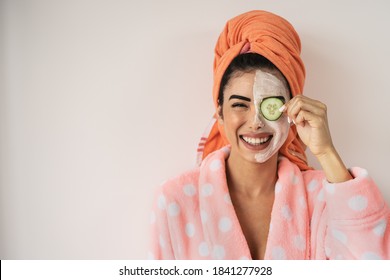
<point x="333" y="167"/>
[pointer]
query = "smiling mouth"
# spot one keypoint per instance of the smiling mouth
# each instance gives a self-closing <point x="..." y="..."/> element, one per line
<point x="256" y="141"/>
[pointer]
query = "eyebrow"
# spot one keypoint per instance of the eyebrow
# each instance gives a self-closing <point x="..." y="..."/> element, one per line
<point x="240" y="97"/>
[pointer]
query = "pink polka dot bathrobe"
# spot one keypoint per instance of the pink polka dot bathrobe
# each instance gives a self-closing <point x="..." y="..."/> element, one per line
<point x="193" y="216"/>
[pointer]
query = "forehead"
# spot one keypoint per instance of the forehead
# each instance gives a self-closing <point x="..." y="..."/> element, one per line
<point x="241" y="79"/>
<point x="270" y="83"/>
<point x="258" y="83"/>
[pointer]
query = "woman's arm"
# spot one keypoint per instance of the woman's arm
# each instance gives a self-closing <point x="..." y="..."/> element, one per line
<point x="334" y="168"/>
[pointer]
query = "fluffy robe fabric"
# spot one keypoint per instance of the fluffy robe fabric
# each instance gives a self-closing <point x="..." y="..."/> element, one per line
<point x="194" y="217"/>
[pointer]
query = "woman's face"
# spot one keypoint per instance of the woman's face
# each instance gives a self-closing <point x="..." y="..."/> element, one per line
<point x="249" y="133"/>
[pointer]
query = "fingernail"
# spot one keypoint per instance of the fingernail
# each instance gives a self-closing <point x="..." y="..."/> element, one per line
<point x="288" y="119"/>
<point x="281" y="109"/>
<point x="294" y="122"/>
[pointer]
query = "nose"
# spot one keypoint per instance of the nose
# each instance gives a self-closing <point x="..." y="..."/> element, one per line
<point x="257" y="122"/>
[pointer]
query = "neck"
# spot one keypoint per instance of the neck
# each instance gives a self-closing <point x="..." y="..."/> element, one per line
<point x="251" y="179"/>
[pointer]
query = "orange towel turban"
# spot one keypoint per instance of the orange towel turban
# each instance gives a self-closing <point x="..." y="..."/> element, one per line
<point x="274" y="38"/>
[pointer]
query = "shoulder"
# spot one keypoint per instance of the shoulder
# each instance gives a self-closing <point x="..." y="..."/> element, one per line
<point x="181" y="181"/>
<point x="313" y="176"/>
<point x="310" y="182"/>
<point x="177" y="194"/>
<point x="186" y="185"/>
<point x="314" y="182"/>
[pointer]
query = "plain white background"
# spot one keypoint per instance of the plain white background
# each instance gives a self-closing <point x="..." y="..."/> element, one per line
<point x="101" y="101"/>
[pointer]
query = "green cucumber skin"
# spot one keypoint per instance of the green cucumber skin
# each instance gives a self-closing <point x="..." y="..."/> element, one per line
<point x="269" y="107"/>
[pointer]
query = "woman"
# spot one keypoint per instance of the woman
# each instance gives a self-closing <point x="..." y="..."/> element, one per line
<point x="254" y="196"/>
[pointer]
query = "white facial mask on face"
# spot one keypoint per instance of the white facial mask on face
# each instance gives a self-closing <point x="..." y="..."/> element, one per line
<point x="269" y="85"/>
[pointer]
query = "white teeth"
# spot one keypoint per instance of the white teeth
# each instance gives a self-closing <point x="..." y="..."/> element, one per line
<point x="255" y="141"/>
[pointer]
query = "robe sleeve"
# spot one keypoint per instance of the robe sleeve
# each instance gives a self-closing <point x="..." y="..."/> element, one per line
<point x="160" y="245"/>
<point x="357" y="219"/>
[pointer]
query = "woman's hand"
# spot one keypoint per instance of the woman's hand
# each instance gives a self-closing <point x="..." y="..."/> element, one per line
<point x="310" y="117"/>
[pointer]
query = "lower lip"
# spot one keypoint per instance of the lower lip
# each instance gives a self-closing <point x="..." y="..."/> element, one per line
<point x="256" y="147"/>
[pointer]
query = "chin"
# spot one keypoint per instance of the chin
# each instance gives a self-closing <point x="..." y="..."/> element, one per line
<point x="262" y="158"/>
<point x="265" y="155"/>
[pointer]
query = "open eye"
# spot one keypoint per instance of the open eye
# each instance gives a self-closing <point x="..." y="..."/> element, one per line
<point x="269" y="107"/>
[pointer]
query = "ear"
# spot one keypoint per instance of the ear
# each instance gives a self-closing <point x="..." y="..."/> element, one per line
<point x="220" y="115"/>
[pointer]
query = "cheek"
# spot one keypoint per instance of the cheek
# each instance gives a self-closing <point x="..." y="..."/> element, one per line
<point x="234" y="119"/>
<point x="280" y="128"/>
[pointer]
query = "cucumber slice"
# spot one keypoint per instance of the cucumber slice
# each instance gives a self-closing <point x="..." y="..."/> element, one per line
<point x="269" y="107"/>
